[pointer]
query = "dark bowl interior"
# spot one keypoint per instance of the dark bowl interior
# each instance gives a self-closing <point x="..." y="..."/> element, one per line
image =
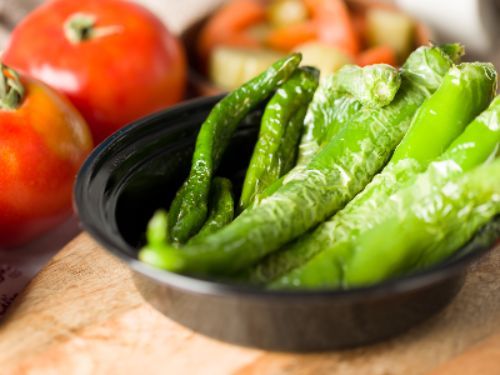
<point x="139" y="168"/>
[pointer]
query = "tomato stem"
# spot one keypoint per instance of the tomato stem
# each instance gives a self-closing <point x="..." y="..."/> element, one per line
<point x="80" y="27"/>
<point x="11" y="89"/>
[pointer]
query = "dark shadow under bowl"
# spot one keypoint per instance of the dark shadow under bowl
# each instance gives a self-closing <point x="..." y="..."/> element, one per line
<point x="139" y="168"/>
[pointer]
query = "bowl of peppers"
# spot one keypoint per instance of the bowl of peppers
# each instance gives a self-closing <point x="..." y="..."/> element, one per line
<point x="297" y="213"/>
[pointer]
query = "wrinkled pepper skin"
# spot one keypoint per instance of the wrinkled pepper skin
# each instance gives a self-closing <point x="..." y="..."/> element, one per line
<point x="373" y="85"/>
<point x="465" y="92"/>
<point x="326" y="116"/>
<point x="267" y="163"/>
<point x="477" y="144"/>
<point x="341" y="95"/>
<point x="189" y="208"/>
<point x="337" y="173"/>
<point x="426" y="223"/>
<point x="337" y="99"/>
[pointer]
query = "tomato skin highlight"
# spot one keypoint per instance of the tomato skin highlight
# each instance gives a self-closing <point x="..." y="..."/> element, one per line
<point x="135" y="68"/>
<point x="42" y="145"/>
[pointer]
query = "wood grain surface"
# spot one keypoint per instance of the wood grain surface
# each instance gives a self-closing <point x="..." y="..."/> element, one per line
<point x="83" y="315"/>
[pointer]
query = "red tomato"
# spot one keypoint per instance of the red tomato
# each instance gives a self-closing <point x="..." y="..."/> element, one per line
<point x="43" y="141"/>
<point x="114" y="60"/>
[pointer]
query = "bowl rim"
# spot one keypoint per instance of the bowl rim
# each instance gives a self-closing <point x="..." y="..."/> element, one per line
<point x="414" y="281"/>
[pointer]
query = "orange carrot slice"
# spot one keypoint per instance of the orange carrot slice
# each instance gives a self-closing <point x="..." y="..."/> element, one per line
<point x="231" y="19"/>
<point x="287" y="38"/>
<point x="377" y="55"/>
<point x="335" y="25"/>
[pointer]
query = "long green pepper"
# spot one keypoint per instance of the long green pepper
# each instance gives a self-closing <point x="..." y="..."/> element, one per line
<point x="189" y="208"/>
<point x="426" y="223"/>
<point x="466" y="91"/>
<point x="478" y="143"/>
<point x="220" y="208"/>
<point x="331" y="179"/>
<point x="269" y="158"/>
<point x="339" y="96"/>
<point x="334" y="103"/>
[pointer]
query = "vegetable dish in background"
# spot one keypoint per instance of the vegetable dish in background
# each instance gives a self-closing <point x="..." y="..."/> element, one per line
<point x="243" y="37"/>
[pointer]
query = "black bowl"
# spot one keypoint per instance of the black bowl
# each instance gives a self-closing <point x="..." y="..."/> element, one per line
<point x="139" y="169"/>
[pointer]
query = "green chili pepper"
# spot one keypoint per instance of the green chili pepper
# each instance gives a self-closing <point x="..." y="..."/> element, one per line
<point x="189" y="208"/>
<point x="466" y="91"/>
<point x="267" y="162"/>
<point x="338" y="172"/>
<point x="333" y="116"/>
<point x="427" y="222"/>
<point x="478" y="143"/>
<point x="373" y="85"/>
<point x="220" y="208"/>
<point x="337" y="99"/>
<point x="158" y="241"/>
<point x="339" y="96"/>
<point x="289" y="148"/>
<point x="326" y="114"/>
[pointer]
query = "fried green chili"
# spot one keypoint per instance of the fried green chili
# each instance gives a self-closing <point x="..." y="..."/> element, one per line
<point x="425" y="223"/>
<point x="267" y="163"/>
<point x="338" y="172"/>
<point x="465" y="92"/>
<point x="189" y="208"/>
<point x="220" y="208"/>
<point x="478" y="143"/>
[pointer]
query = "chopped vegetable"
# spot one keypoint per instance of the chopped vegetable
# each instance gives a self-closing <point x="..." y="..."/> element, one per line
<point x="230" y="67"/>
<point x="323" y="56"/>
<point x="377" y="55"/>
<point x="233" y="18"/>
<point x="335" y="26"/>
<point x="289" y="37"/>
<point x="327" y="32"/>
<point x="387" y="27"/>
<point x="286" y="12"/>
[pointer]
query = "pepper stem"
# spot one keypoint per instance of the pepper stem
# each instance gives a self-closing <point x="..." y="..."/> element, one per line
<point x="11" y="89"/>
<point x="80" y="27"/>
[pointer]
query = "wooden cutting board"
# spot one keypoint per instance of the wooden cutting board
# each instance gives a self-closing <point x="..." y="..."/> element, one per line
<point x="83" y="315"/>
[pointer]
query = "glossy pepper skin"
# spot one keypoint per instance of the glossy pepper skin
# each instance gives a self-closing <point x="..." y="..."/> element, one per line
<point x="288" y="149"/>
<point x="477" y="143"/>
<point x="189" y="208"/>
<point x="43" y="141"/>
<point x="268" y="159"/>
<point x="113" y="59"/>
<point x="220" y="208"/>
<point x="466" y="91"/>
<point x="425" y="223"/>
<point x="323" y="188"/>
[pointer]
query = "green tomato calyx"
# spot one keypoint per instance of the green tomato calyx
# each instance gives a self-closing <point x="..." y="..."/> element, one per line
<point x="11" y="89"/>
<point x="81" y="27"/>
